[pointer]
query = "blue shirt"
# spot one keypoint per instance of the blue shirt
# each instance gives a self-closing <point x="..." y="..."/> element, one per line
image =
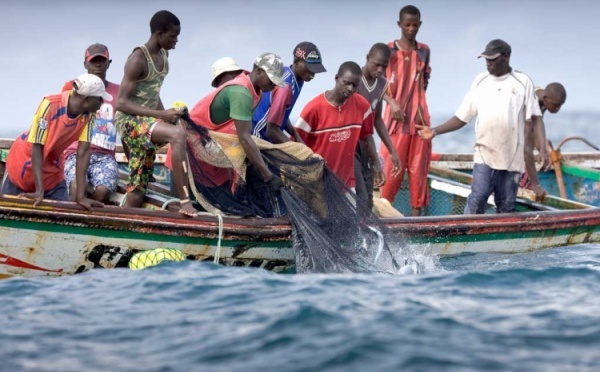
<point x="261" y="112"/>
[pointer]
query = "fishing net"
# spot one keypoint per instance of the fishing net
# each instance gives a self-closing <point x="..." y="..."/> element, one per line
<point x="153" y="257"/>
<point x="330" y="232"/>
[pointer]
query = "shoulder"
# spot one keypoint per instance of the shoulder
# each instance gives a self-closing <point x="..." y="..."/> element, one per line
<point x="522" y="77"/>
<point x="361" y="102"/>
<point x="68" y="85"/>
<point x="423" y="46"/>
<point x="482" y="77"/>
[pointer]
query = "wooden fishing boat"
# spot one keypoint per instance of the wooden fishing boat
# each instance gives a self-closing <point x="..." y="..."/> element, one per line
<point x="60" y="238"/>
<point x="574" y="175"/>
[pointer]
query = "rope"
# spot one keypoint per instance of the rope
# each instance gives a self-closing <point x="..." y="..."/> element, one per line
<point x="166" y="203"/>
<point x="218" y="251"/>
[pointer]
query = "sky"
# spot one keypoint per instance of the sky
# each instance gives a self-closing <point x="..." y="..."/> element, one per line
<point x="45" y="42"/>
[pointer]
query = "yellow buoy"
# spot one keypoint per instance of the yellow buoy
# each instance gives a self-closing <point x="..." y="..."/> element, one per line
<point x="153" y="257"/>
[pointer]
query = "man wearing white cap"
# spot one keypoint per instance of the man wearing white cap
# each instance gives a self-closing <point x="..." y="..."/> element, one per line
<point x="228" y="109"/>
<point x="504" y="102"/>
<point x="35" y="164"/>
<point x="223" y="70"/>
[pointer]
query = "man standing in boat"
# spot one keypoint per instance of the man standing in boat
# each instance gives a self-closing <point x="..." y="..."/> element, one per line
<point x="332" y="123"/>
<point x="550" y="99"/>
<point x="372" y="87"/>
<point x="142" y="120"/>
<point x="503" y="100"/>
<point x="102" y="172"/>
<point x="35" y="163"/>
<point x="271" y="116"/>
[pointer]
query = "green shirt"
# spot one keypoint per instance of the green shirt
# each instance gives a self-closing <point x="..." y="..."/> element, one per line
<point x="232" y="102"/>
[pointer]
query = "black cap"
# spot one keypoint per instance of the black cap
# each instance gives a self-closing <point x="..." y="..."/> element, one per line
<point x="311" y="55"/>
<point x="495" y="48"/>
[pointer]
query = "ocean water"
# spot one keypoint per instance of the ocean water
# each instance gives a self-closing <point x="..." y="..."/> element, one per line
<point x="535" y="311"/>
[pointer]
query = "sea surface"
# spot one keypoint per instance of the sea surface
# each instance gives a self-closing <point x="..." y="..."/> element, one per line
<point x="536" y="311"/>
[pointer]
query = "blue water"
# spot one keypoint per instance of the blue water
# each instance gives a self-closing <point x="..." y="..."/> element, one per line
<point x="536" y="311"/>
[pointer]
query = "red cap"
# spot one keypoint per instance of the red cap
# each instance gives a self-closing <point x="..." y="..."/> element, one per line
<point x="95" y="50"/>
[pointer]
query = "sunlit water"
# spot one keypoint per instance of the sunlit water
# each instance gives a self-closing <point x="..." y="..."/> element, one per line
<point x="531" y="312"/>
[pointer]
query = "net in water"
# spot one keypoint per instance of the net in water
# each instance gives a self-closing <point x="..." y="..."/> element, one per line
<point x="331" y="233"/>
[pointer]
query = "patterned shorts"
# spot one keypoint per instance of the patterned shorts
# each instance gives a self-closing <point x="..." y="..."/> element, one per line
<point x="102" y="171"/>
<point x="136" y="133"/>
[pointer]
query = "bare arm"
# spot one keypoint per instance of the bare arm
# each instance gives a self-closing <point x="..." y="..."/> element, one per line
<point x="292" y="131"/>
<point x="530" y="162"/>
<point x="244" y="130"/>
<point x="395" y="108"/>
<point x="539" y="130"/>
<point x="451" y="125"/>
<point x="37" y="159"/>
<point x="275" y="134"/>
<point x="81" y="165"/>
<point x="382" y="132"/>
<point x="369" y="146"/>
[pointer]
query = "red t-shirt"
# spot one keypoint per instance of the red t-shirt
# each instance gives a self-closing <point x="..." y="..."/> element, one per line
<point x="333" y="132"/>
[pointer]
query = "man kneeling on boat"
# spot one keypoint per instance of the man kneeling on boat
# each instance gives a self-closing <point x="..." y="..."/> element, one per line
<point x="35" y="163"/>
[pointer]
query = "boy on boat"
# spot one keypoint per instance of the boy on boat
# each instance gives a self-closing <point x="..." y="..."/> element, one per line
<point x="372" y="87"/>
<point x="102" y="173"/>
<point x="142" y="120"/>
<point x="271" y="116"/>
<point x="408" y="73"/>
<point x="503" y="100"/>
<point x="550" y="99"/>
<point x="35" y="162"/>
<point x="332" y="123"/>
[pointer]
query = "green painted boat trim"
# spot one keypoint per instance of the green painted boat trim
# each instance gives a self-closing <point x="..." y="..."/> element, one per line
<point x="122" y="234"/>
<point x="583" y="172"/>
<point x="499" y="236"/>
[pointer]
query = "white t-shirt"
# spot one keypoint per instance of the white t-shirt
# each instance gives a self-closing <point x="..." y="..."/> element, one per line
<point x="501" y="104"/>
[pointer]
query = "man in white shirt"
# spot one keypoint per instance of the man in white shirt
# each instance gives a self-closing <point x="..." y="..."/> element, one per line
<point x="503" y="100"/>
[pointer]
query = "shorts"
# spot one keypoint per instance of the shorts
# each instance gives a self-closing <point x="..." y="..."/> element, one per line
<point x="58" y="192"/>
<point x="136" y="133"/>
<point x="102" y="171"/>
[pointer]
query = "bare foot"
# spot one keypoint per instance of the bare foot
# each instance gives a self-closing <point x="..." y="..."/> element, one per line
<point x="188" y="210"/>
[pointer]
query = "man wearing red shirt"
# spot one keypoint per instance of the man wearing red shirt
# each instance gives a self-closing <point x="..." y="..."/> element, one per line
<point x="332" y="123"/>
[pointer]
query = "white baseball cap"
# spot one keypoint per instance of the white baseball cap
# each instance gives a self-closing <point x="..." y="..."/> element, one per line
<point x="223" y="65"/>
<point x="91" y="86"/>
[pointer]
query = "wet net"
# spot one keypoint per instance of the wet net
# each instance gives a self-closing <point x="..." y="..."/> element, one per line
<point x="330" y="232"/>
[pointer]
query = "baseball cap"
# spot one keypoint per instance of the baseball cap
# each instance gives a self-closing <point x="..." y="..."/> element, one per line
<point x="495" y="48"/>
<point x="223" y="65"/>
<point x="91" y="86"/>
<point x="95" y="50"/>
<point x="272" y="64"/>
<point x="311" y="55"/>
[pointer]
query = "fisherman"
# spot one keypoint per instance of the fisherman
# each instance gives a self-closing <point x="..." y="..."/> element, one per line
<point x="372" y="87"/>
<point x="550" y="99"/>
<point x="102" y="173"/>
<point x="143" y="122"/>
<point x="35" y="162"/>
<point x="271" y="116"/>
<point x="408" y="73"/>
<point x="332" y="123"/>
<point x="228" y="110"/>
<point x="503" y="100"/>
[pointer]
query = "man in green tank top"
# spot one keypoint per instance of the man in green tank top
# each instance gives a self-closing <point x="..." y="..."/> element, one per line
<point x="143" y="122"/>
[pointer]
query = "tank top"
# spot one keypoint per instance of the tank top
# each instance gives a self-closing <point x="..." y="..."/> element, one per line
<point x="147" y="90"/>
